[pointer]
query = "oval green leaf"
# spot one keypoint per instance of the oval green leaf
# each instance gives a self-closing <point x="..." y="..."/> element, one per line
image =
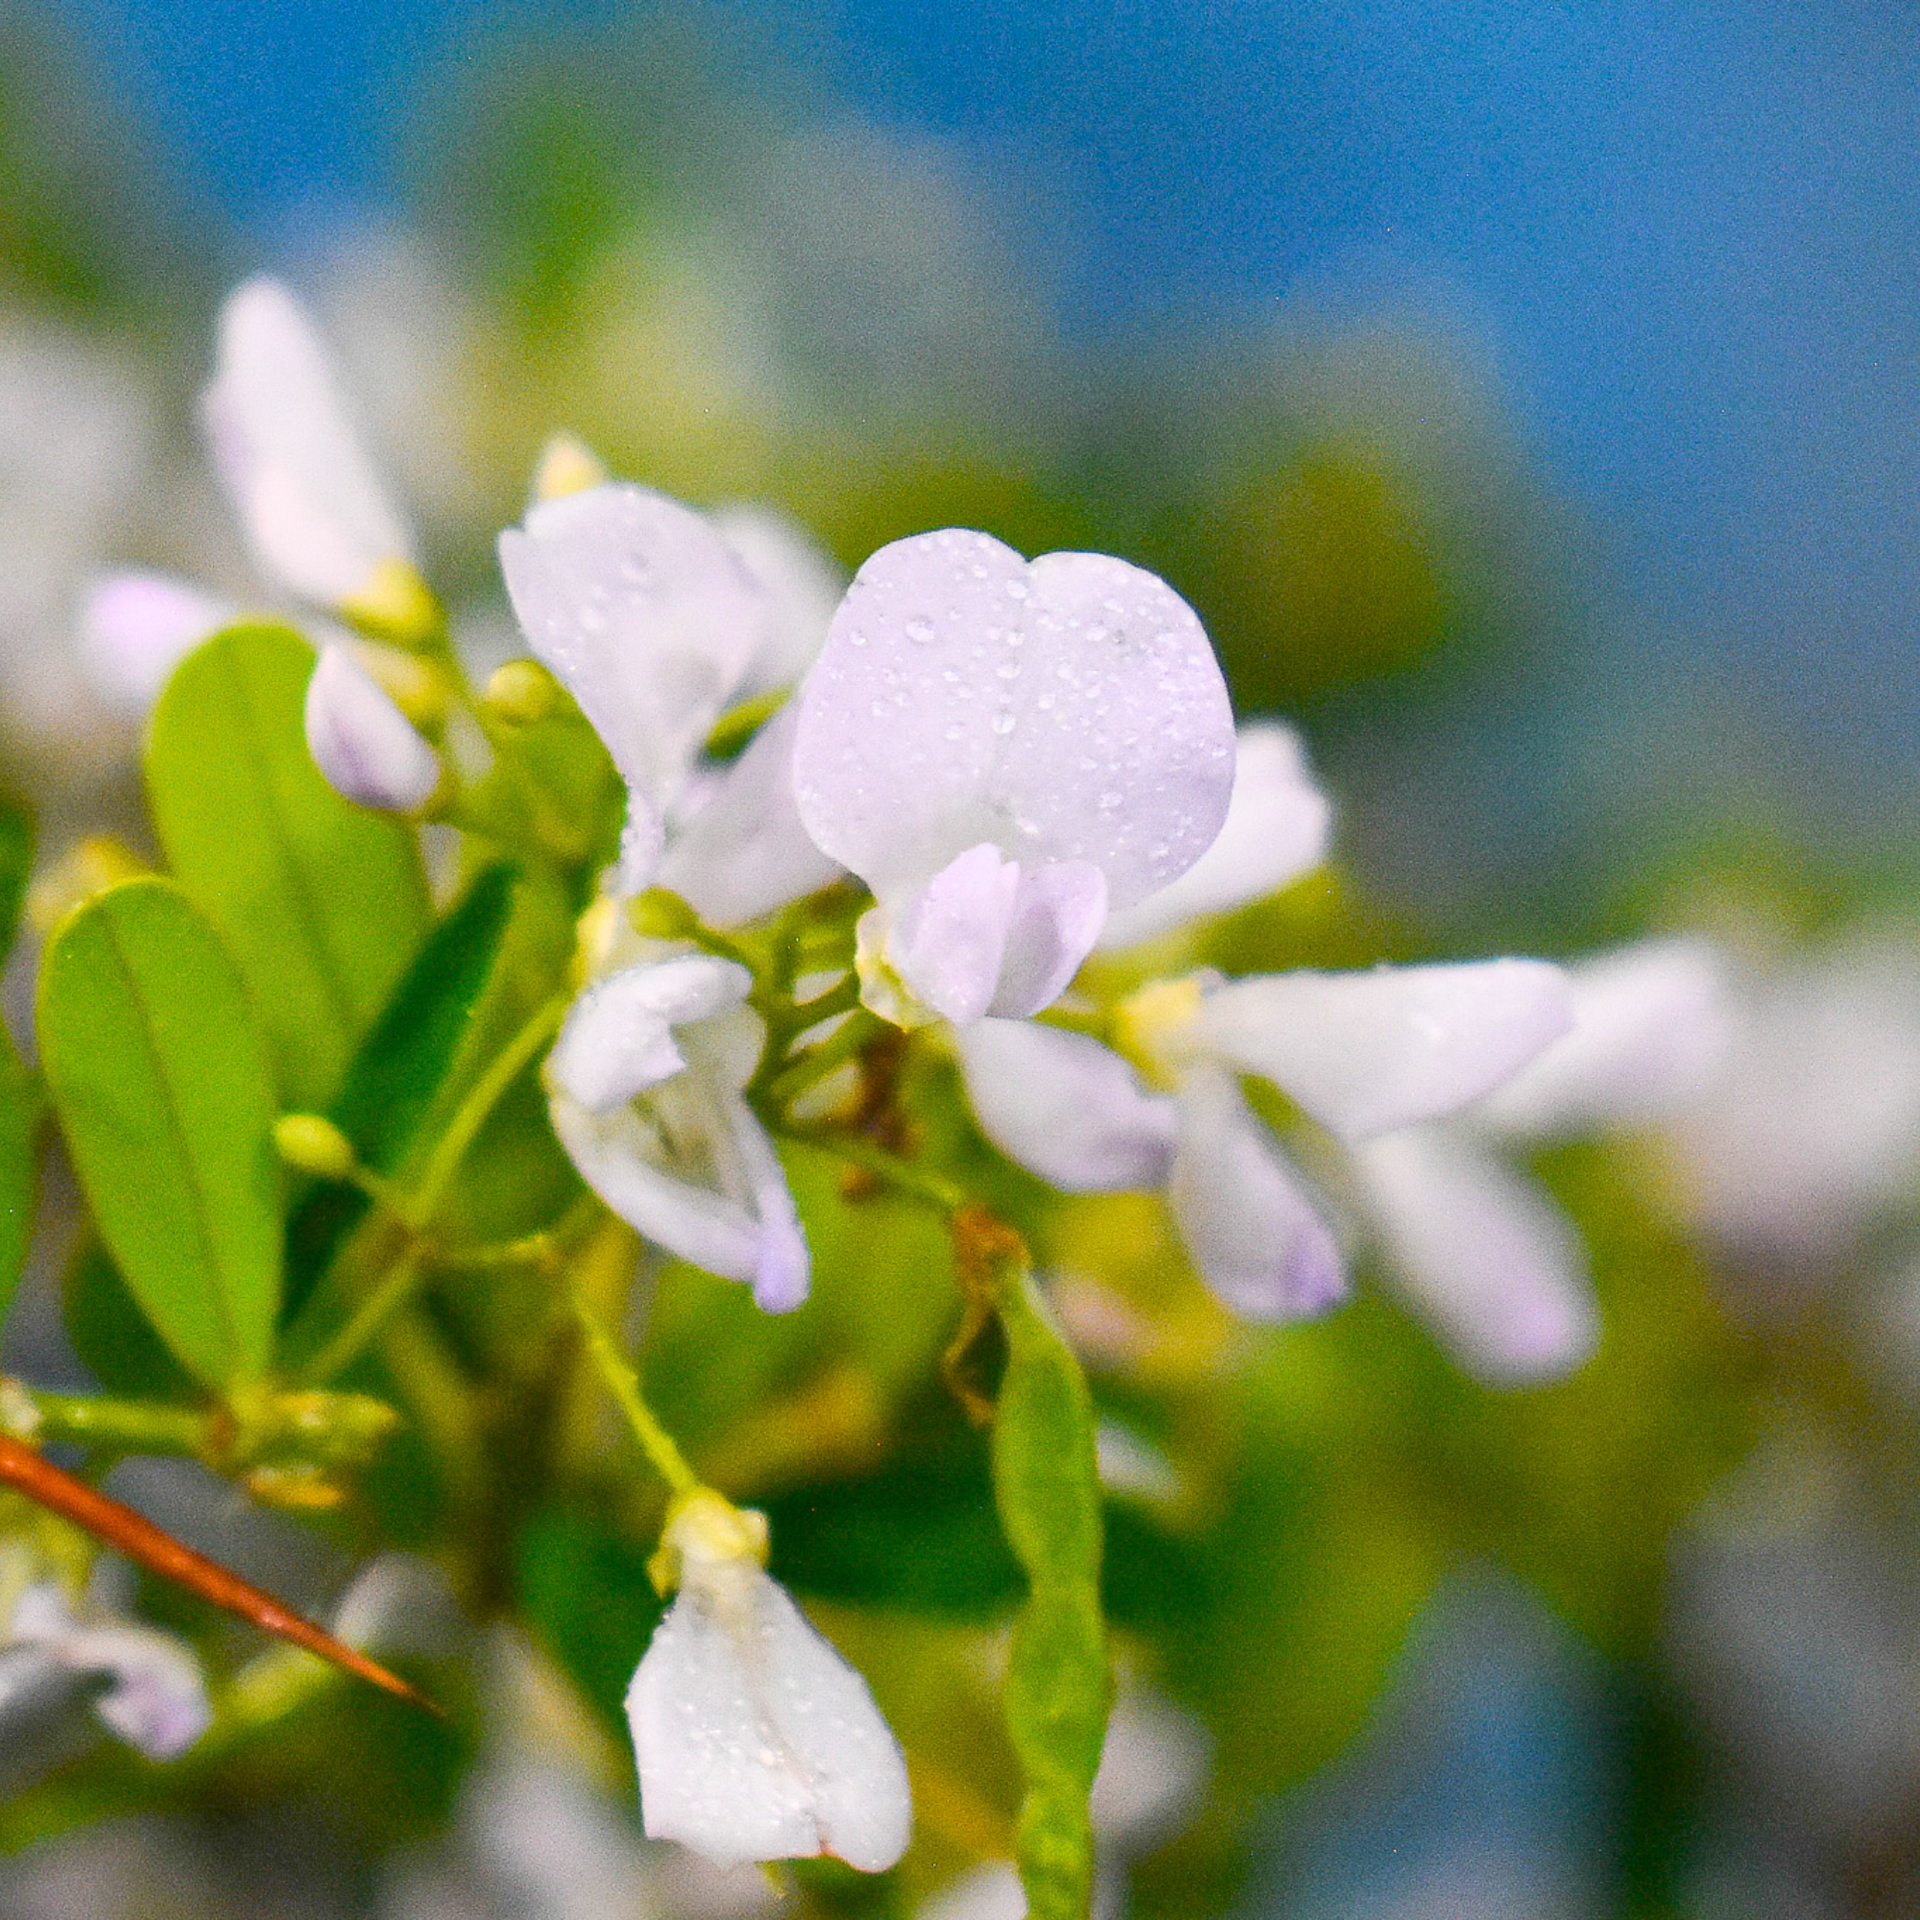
<point x="158" y="1073"/>
<point x="322" y="903"/>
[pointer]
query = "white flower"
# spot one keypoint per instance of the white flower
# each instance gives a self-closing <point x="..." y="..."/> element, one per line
<point x="655" y="625"/>
<point x="1275" y="830"/>
<point x="1482" y="1250"/>
<point x="1364" y="1054"/>
<point x="1003" y="750"/>
<point x="755" y="1740"/>
<point x="136" y="627"/>
<point x="155" y="1699"/>
<point x="644" y="1092"/>
<point x="287" y="449"/>
<point x="360" y="740"/>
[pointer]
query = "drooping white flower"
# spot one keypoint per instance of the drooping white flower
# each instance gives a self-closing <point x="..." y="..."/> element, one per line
<point x="1004" y="750"/>
<point x="1276" y="829"/>
<point x="755" y="1740"/>
<point x="803" y="586"/>
<point x="361" y="741"/>
<point x="156" y="1699"/>
<point x="644" y="1089"/>
<point x="136" y="627"/>
<point x="285" y="445"/>
<point x="1367" y="1055"/>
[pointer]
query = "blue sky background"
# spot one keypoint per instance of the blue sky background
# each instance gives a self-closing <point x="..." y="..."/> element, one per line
<point x="1687" y="236"/>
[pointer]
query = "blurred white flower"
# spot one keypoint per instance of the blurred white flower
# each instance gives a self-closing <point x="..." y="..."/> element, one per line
<point x="292" y="460"/>
<point x="1003" y="750"/>
<point x="155" y="1698"/>
<point x="644" y="1091"/>
<point x="136" y="627"/>
<point x="1365" y="1055"/>
<point x="362" y="743"/>
<point x="755" y="1740"/>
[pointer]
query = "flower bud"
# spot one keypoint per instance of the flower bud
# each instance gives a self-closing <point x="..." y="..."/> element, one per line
<point x="314" y="1144"/>
<point x="362" y="742"/>
<point x="522" y="693"/>
<point x="567" y="465"/>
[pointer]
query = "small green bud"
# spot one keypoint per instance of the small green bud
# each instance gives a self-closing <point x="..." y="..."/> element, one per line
<point x="522" y="693"/>
<point x="314" y="1144"/>
<point x="659" y="914"/>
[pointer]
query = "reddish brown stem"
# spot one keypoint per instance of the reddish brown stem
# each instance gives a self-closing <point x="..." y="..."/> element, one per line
<point x="139" y="1539"/>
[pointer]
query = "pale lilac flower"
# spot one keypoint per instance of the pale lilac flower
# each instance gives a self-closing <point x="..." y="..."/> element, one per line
<point x="755" y="1740"/>
<point x="1003" y="750"/>
<point x="644" y="1089"/>
<point x="1482" y="1250"/>
<point x="1276" y="829"/>
<point x="137" y="626"/>
<point x="155" y="1700"/>
<point x="656" y="626"/>
<point x="1366" y="1055"/>
<point x="803" y="586"/>
<point x="362" y="743"/>
<point x="292" y="460"/>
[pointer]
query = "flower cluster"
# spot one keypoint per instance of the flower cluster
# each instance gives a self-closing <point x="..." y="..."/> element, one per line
<point x="913" y="812"/>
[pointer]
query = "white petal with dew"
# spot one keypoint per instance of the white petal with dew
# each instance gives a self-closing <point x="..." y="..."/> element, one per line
<point x="156" y="1701"/>
<point x="1067" y="709"/>
<point x="1276" y="829"/>
<point x="136" y="627"/>
<point x="1366" y="1052"/>
<point x="803" y="585"/>
<point x="618" y="1037"/>
<point x="1650" y="1026"/>
<point x="1252" y="1231"/>
<point x="755" y="1740"/>
<point x="1066" y="1108"/>
<point x="1483" y="1253"/>
<point x="642" y="610"/>
<point x="364" y="745"/>
<point x="744" y="853"/>
<point x="286" y="447"/>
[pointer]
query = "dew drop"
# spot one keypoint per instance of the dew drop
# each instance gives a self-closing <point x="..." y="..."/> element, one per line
<point x="920" y="630"/>
<point x="1003" y="724"/>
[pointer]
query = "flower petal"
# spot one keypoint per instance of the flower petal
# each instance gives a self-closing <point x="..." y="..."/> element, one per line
<point x="755" y="1740"/>
<point x="1070" y="709"/>
<point x="135" y="627"/>
<point x="1255" y="1237"/>
<point x="618" y="1037"/>
<point x="948" y="940"/>
<point x="157" y="1700"/>
<point x="1276" y="829"/>
<point x="641" y="608"/>
<point x="1366" y="1052"/>
<point x="745" y="853"/>
<point x="691" y="1168"/>
<point x="1058" y="912"/>
<point x="803" y="585"/>
<point x="362" y="742"/>
<point x="1484" y="1254"/>
<point x="1650" y="1025"/>
<point x="291" y="458"/>
<point x="1066" y="1108"/>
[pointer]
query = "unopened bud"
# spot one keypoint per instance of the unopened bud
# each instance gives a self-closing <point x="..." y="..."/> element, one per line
<point x="362" y="742"/>
<point x="659" y="914"/>
<point x="314" y="1144"/>
<point x="522" y="693"/>
<point x="566" y="465"/>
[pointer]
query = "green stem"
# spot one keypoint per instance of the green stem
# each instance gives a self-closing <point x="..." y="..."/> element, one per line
<point x="793" y="1077"/>
<point x="124" y="1426"/>
<point x="624" y="1384"/>
<point x="396" y="1287"/>
<point x="917" y="1183"/>
<point x="473" y="1112"/>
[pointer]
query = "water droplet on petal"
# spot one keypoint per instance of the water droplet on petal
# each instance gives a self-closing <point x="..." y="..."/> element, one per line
<point x="920" y="630"/>
<point x="1003" y="724"/>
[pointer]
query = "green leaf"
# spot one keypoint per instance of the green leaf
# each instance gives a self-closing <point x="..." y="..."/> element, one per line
<point x="401" y="1066"/>
<point x="114" y="1339"/>
<point x="1047" y="1487"/>
<point x="322" y="903"/>
<point x="16" y="863"/>
<point x="155" y="1062"/>
<point x="19" y="1125"/>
